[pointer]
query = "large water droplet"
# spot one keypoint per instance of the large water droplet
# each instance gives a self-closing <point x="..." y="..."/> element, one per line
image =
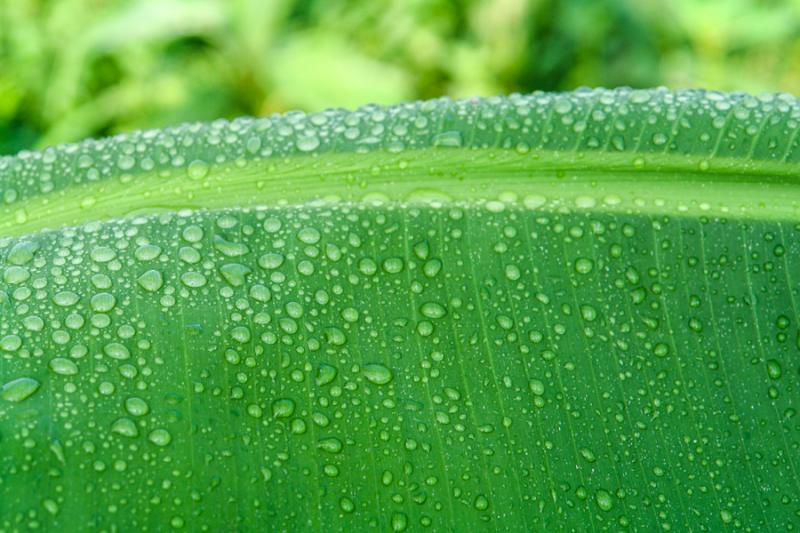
<point x="160" y="437"/>
<point x="377" y="373"/>
<point x="136" y="406"/>
<point x="197" y="169"/>
<point x="150" y="280"/>
<point x="283" y="408"/>
<point x="125" y="426"/>
<point x="63" y="366"/>
<point x="19" y="389"/>
<point x="604" y="500"/>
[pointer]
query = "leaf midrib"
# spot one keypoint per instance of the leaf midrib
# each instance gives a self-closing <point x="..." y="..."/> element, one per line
<point x="433" y="174"/>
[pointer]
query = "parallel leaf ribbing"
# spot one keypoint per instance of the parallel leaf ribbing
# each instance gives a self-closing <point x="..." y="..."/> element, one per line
<point x="545" y="312"/>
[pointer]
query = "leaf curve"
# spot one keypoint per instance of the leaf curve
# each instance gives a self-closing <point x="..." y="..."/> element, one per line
<point x="528" y="313"/>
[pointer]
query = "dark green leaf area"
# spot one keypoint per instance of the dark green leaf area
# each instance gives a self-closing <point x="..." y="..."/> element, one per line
<point x="389" y="367"/>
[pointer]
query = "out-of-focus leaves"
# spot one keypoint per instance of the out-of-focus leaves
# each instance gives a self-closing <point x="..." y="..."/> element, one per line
<point x="76" y="68"/>
<point x="156" y="21"/>
<point x="315" y="71"/>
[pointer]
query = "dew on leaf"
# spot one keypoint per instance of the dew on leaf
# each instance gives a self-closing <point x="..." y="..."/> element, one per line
<point x="19" y="389"/>
<point x="160" y="437"/>
<point x="377" y="373"/>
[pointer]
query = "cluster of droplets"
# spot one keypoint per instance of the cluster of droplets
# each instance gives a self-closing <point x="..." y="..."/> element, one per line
<point x="468" y="364"/>
<point x="704" y="130"/>
<point x="488" y="358"/>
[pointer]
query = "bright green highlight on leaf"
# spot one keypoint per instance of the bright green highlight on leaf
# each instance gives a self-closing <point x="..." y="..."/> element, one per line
<point x="539" y="312"/>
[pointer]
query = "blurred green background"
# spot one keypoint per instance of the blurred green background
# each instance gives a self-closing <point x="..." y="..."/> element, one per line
<point x="71" y="69"/>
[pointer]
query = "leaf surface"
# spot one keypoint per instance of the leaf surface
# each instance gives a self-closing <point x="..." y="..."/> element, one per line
<point x="529" y="313"/>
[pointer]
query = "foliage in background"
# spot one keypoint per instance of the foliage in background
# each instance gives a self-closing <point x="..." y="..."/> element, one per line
<point x="76" y="68"/>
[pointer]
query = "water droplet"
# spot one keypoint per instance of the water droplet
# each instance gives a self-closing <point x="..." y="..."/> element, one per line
<point x="562" y="106"/>
<point x="774" y="369"/>
<point x="63" y="367"/>
<point x="65" y="298"/>
<point x="270" y="261"/>
<point x="197" y="169"/>
<point x="151" y="280"/>
<point x="325" y="374"/>
<point x="481" y="502"/>
<point x="19" y="389"/>
<point x="533" y="201"/>
<point x="103" y="302"/>
<point x="192" y="233"/>
<point x="377" y="373"/>
<point x="193" y="279"/>
<point x="234" y="273"/>
<point x="661" y="350"/>
<point x="14" y="275"/>
<point x="160" y="437"/>
<point x="512" y="272"/>
<point x="125" y="426"/>
<point x="10" y="343"/>
<point x="433" y="310"/>
<point x="449" y="139"/>
<point x="241" y="334"/>
<point x="399" y="521"/>
<point x="116" y="350"/>
<point x="22" y="252"/>
<point x="347" y="505"/>
<point x="367" y="266"/>
<point x="230" y="248"/>
<point x="393" y="265"/>
<point x="50" y="506"/>
<point x="260" y="293"/>
<point x="253" y="144"/>
<point x="588" y="454"/>
<point x="604" y="500"/>
<point x="588" y="313"/>
<point x="432" y="267"/>
<point x="536" y="386"/>
<point x="308" y="235"/>
<point x="147" y="252"/>
<point x="307" y="143"/>
<point x="330" y="445"/>
<point x="136" y="406"/>
<point x="283" y="408"/>
<point x="102" y="254"/>
<point x="583" y="265"/>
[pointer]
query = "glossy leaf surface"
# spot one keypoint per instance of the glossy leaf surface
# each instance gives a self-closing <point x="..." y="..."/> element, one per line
<point x="531" y="313"/>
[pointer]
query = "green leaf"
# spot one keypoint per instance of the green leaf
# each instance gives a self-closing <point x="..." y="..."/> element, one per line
<point x="539" y="312"/>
